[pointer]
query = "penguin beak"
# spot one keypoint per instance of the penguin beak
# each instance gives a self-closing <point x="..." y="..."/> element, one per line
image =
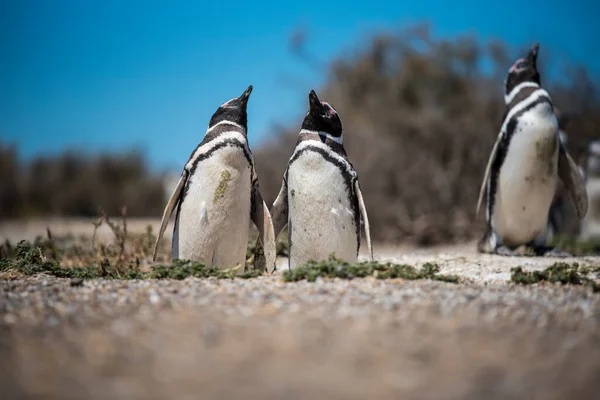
<point x="314" y="102"/>
<point x="533" y="53"/>
<point x="244" y="97"/>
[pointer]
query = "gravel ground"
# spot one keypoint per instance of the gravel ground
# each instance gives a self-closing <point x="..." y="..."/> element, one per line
<point x="336" y="339"/>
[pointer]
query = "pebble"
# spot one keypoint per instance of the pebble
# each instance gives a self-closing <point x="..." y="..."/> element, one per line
<point x="154" y="298"/>
<point x="76" y="282"/>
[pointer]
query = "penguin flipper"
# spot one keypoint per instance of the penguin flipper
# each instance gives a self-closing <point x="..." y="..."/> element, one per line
<point x="261" y="217"/>
<point x="363" y="212"/>
<point x="570" y="175"/>
<point x="279" y="211"/>
<point x="175" y="196"/>
<point x="488" y="170"/>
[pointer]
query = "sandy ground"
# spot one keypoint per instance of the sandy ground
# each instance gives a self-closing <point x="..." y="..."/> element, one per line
<point x="336" y="339"/>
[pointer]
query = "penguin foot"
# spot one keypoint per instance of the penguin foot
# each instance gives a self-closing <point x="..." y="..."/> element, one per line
<point x="505" y="251"/>
<point x="548" y="251"/>
<point x="484" y="244"/>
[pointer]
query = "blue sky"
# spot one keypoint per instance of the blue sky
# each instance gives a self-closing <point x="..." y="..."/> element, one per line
<point x="115" y="75"/>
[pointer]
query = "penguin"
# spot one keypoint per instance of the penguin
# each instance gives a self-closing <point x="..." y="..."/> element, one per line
<point x="218" y="194"/>
<point x="591" y="224"/>
<point x="523" y="169"/>
<point x="320" y="200"/>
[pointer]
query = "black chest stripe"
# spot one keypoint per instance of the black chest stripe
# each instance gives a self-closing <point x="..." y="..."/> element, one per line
<point x="215" y="133"/>
<point x="220" y="130"/>
<point x="336" y="147"/>
<point x="225" y="143"/>
<point x="503" y="150"/>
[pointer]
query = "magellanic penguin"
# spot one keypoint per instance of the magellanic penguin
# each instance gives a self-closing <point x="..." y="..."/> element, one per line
<point x="523" y="169"/>
<point x="320" y="200"/>
<point x="218" y="194"/>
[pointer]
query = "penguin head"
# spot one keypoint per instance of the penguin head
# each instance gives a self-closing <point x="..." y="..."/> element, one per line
<point x="323" y="118"/>
<point x="233" y="110"/>
<point x="523" y="70"/>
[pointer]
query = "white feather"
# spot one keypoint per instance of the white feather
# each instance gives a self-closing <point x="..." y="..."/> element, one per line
<point x="318" y="201"/>
<point x="203" y="214"/>
<point x="208" y="130"/>
<point x="334" y="138"/>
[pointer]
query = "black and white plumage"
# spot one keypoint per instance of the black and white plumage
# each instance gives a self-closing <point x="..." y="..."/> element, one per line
<point x="320" y="200"/>
<point x="525" y="164"/>
<point x="218" y="194"/>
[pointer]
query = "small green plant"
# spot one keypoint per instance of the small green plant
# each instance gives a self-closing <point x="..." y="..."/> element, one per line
<point x="255" y="254"/>
<point x="575" y="246"/>
<point x="590" y="269"/>
<point x="181" y="269"/>
<point x="428" y="271"/>
<point x="336" y="268"/>
<point x="557" y="272"/>
<point x="29" y="259"/>
<point x="282" y="245"/>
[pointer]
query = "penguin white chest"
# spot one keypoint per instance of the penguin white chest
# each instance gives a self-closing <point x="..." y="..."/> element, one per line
<point x="528" y="178"/>
<point x="214" y="218"/>
<point x="321" y="216"/>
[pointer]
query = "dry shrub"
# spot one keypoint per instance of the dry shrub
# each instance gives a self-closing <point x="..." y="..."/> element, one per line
<point x="77" y="184"/>
<point x="420" y="117"/>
